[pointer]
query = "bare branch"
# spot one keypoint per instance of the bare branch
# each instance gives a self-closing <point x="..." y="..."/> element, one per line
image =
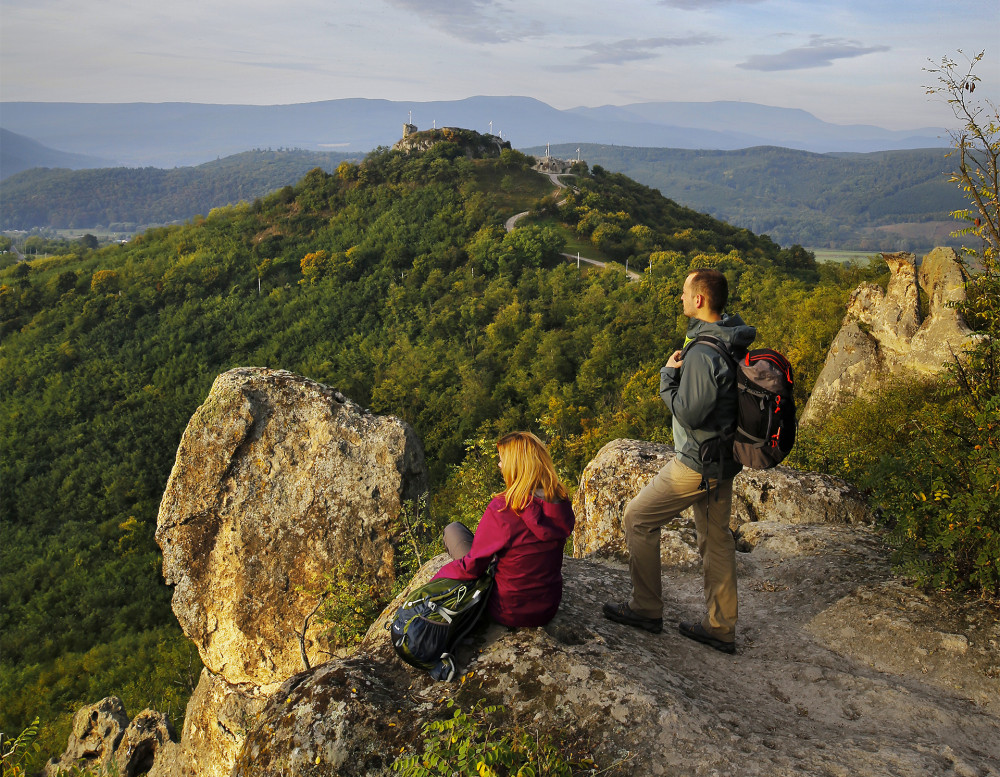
<point x="302" y="634"/>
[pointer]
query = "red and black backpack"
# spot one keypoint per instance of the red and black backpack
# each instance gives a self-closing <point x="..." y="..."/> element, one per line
<point x="765" y="426"/>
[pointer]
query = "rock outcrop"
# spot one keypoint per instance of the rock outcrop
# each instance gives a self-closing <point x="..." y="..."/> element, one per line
<point x="622" y="467"/>
<point x="277" y="480"/>
<point x="474" y="144"/>
<point x="104" y="740"/>
<point x="886" y="332"/>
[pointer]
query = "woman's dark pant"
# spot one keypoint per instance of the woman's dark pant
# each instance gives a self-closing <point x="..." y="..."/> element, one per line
<point x="457" y="539"/>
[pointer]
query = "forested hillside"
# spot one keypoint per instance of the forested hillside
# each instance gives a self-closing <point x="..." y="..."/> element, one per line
<point x="392" y="280"/>
<point x="124" y="199"/>
<point x="890" y="201"/>
<point x="882" y="201"/>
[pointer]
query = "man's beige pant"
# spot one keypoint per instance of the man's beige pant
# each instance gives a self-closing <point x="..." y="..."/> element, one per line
<point x="675" y="488"/>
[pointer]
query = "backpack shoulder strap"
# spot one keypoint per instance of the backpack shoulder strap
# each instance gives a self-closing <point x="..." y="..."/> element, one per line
<point x="716" y="344"/>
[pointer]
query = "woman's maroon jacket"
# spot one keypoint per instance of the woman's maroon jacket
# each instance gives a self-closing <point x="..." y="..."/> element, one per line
<point x="529" y="549"/>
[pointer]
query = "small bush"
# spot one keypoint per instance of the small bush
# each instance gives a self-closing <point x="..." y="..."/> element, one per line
<point x="928" y="454"/>
<point x="472" y="743"/>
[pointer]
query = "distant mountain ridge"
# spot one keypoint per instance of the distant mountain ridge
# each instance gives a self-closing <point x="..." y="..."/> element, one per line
<point x="172" y="134"/>
<point x="18" y="153"/>
<point x="788" y="127"/>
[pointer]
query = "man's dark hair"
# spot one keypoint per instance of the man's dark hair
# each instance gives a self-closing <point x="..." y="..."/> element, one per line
<point x="713" y="285"/>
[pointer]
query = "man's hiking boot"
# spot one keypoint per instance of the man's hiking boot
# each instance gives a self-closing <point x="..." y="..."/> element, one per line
<point x="697" y="632"/>
<point x="619" y="612"/>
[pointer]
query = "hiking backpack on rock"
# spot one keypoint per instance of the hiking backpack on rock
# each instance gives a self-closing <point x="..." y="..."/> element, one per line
<point x="765" y="426"/>
<point x="435" y="617"/>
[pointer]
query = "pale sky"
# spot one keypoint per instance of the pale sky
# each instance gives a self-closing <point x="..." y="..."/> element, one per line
<point x="845" y="61"/>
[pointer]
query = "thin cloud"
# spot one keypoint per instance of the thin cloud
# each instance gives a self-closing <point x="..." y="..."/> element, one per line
<point x="819" y="52"/>
<point x="633" y="49"/>
<point x="474" y="21"/>
<point x="699" y="5"/>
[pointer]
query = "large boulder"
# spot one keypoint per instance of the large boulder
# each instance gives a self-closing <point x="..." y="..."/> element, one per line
<point x="891" y="332"/>
<point x="277" y="480"/>
<point x="622" y="467"/>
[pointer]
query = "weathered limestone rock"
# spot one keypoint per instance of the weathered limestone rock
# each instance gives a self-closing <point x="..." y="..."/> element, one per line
<point x="943" y="334"/>
<point x="277" y="480"/>
<point x="218" y="717"/>
<point x="618" y="472"/>
<point x="144" y="739"/>
<point x="884" y="333"/>
<point x="95" y="735"/>
<point x="622" y="467"/>
<point x="787" y="495"/>
<point x="899" y="630"/>
<point x="104" y="741"/>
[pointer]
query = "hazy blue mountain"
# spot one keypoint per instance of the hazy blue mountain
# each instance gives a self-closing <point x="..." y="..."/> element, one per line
<point x="170" y="134"/>
<point x="788" y="127"/>
<point x="18" y="153"/>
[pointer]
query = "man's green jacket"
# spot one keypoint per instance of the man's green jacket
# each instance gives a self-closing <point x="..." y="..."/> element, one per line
<point x="701" y="393"/>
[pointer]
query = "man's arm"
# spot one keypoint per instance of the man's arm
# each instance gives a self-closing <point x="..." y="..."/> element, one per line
<point x="691" y="393"/>
<point x="670" y="377"/>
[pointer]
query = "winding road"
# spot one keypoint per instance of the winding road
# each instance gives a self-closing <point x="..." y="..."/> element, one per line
<point x="512" y="222"/>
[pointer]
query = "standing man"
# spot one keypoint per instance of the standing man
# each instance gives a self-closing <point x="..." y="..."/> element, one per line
<point x="699" y="387"/>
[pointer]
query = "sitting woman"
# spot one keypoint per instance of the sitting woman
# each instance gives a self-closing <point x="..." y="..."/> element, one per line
<point x="525" y="526"/>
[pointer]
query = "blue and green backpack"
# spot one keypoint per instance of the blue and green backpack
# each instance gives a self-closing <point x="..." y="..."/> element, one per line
<point x="436" y="617"/>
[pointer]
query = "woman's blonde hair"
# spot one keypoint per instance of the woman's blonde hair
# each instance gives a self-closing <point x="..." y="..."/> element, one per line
<point x="526" y="466"/>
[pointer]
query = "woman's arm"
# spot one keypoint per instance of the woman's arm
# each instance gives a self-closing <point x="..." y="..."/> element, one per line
<point x="492" y="536"/>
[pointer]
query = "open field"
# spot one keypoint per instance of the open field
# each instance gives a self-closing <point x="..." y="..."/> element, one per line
<point x="841" y="256"/>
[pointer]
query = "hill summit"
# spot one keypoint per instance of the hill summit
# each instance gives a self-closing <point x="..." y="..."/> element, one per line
<point x="475" y="144"/>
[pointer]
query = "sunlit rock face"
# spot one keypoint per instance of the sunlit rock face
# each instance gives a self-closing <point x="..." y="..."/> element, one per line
<point x="912" y="327"/>
<point x="277" y="480"/>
